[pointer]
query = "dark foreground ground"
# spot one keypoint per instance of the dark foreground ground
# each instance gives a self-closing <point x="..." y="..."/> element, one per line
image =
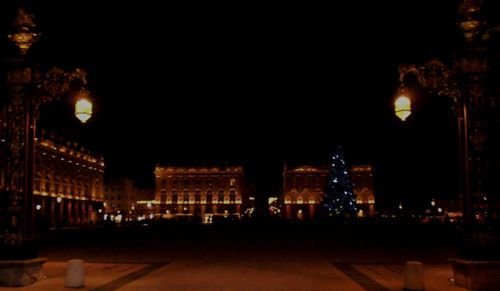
<point x="351" y="244"/>
<point x="264" y="256"/>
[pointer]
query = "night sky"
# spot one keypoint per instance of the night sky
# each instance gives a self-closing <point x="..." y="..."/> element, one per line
<point x="255" y="85"/>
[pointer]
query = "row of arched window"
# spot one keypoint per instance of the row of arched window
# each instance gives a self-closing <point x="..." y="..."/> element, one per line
<point x="187" y="191"/>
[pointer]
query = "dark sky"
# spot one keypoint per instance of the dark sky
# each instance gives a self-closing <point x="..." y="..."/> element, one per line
<point x="255" y="84"/>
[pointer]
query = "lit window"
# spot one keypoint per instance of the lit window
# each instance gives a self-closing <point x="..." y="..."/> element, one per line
<point x="47" y="186"/>
<point x="221" y="196"/>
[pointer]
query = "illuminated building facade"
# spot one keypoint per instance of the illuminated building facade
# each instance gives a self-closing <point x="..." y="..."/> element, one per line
<point x="119" y="195"/>
<point x="68" y="184"/>
<point x="304" y="187"/>
<point x="124" y="201"/>
<point x="303" y="191"/>
<point x="362" y="179"/>
<point x="200" y="192"/>
<point x="144" y="204"/>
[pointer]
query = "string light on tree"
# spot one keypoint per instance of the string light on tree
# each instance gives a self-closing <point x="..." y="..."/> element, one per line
<point x="339" y="199"/>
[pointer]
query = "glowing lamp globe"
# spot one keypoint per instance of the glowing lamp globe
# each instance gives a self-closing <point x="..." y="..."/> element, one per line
<point x="402" y="107"/>
<point x="83" y="110"/>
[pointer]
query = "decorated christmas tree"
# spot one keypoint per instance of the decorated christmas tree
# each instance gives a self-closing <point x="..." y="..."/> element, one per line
<point x="339" y="200"/>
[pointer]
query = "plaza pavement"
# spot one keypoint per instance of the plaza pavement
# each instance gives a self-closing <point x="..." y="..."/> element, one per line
<point x="257" y="274"/>
<point x="249" y="258"/>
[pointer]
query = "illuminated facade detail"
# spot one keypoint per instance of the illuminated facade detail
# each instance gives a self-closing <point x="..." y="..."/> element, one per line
<point x="68" y="183"/>
<point x="304" y="186"/>
<point x="199" y="192"/>
<point x="121" y="196"/>
<point x="362" y="179"/>
<point x="303" y="191"/>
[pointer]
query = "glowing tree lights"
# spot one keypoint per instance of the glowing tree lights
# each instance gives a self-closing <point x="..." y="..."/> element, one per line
<point x="339" y="199"/>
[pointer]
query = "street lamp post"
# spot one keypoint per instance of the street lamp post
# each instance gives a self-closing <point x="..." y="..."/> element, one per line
<point x="438" y="79"/>
<point x="467" y="85"/>
<point x="27" y="88"/>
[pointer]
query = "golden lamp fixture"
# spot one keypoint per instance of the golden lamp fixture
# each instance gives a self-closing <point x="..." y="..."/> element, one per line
<point x="83" y="107"/>
<point x="25" y="34"/>
<point x="402" y="107"/>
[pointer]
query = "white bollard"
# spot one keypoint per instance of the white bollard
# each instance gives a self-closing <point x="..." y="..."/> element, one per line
<point x="414" y="276"/>
<point x="74" y="274"/>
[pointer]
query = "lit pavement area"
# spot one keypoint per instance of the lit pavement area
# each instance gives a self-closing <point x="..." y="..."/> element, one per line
<point x="242" y="275"/>
<point x="391" y="277"/>
<point x="285" y="275"/>
<point x="239" y="258"/>
<point x="97" y="275"/>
